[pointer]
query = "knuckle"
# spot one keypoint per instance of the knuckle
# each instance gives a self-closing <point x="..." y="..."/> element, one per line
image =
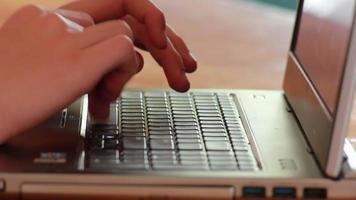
<point x="31" y="8"/>
<point x="123" y="27"/>
<point x="28" y="12"/>
<point x="126" y="43"/>
<point x="160" y="15"/>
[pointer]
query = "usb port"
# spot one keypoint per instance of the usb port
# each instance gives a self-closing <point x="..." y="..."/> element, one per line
<point x="315" y="193"/>
<point x="254" y="192"/>
<point x="284" y="192"/>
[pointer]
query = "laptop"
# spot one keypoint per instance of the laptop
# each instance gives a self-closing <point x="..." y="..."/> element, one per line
<point x="208" y="144"/>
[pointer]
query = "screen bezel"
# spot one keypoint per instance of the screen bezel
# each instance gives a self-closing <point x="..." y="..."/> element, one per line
<point x="325" y="132"/>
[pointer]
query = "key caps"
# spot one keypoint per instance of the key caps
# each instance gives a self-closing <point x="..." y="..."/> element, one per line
<point x="187" y="132"/>
<point x="131" y="122"/>
<point x="192" y="119"/>
<point x="221" y="134"/>
<point x="186" y="127"/>
<point x="158" y="137"/>
<point x="111" y="144"/>
<point x="162" y="117"/>
<point x="134" y="143"/>
<point x="159" y="124"/>
<point x="213" y="130"/>
<point x="210" y="118"/>
<point x="162" y="145"/>
<point x="133" y="126"/>
<point x="166" y="120"/>
<point x="186" y="123"/>
<point x="132" y="115"/>
<point x="189" y="140"/>
<point x="133" y="130"/>
<point x="216" y="139"/>
<point x="182" y="136"/>
<point x="134" y="134"/>
<point x="217" y="146"/>
<point x="158" y="113"/>
<point x="212" y="126"/>
<point x="184" y="116"/>
<point x="160" y="132"/>
<point x="153" y="128"/>
<point x="190" y="146"/>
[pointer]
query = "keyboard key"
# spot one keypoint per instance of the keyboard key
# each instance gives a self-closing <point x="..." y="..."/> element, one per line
<point x="159" y="128"/>
<point x="161" y="117"/>
<point x="134" y="143"/>
<point x="158" y="137"/>
<point x="212" y="126"/>
<point x="160" y="132"/>
<point x="223" y="138"/>
<point x="190" y="146"/>
<point x="186" y="127"/>
<point x="190" y="140"/>
<point x="133" y="130"/>
<point x="183" y="136"/>
<point x="186" y="124"/>
<point x="220" y="134"/>
<point x="212" y="118"/>
<point x="188" y="132"/>
<point x="191" y="119"/>
<point x="111" y="144"/>
<point x="160" y="113"/>
<point x="162" y="144"/>
<point x="213" y="130"/>
<point x="133" y="126"/>
<point x="186" y="153"/>
<point x="175" y="116"/>
<point x="166" y="120"/>
<point x="217" y="146"/>
<point x="134" y="134"/>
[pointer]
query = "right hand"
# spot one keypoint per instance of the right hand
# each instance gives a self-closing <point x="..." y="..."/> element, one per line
<point x="48" y="61"/>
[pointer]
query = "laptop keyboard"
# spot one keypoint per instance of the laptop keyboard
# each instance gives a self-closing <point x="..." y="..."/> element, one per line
<point x="171" y="131"/>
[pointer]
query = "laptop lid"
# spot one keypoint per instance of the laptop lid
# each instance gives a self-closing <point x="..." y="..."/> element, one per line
<point x="320" y="77"/>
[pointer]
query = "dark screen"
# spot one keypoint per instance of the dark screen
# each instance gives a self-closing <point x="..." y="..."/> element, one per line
<point x="322" y="45"/>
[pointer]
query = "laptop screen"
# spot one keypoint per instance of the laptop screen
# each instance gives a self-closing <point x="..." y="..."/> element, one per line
<point x="322" y="44"/>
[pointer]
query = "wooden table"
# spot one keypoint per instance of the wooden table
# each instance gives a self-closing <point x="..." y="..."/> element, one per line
<point x="239" y="44"/>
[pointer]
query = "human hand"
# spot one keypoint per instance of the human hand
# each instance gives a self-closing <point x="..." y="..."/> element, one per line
<point x="48" y="61"/>
<point x="151" y="33"/>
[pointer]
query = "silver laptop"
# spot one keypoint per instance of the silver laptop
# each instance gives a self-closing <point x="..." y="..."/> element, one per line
<point x="208" y="144"/>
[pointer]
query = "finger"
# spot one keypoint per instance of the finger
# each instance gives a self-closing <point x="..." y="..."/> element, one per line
<point x="25" y="16"/>
<point x="153" y="18"/>
<point x="98" y="33"/>
<point x="173" y="67"/>
<point x="168" y="58"/>
<point x="109" y="54"/>
<point x="119" y="67"/>
<point x="108" y="91"/>
<point x="189" y="61"/>
<point x="78" y="17"/>
<point x="113" y="82"/>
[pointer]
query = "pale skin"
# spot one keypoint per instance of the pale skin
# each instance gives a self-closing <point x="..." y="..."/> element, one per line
<point x="50" y="58"/>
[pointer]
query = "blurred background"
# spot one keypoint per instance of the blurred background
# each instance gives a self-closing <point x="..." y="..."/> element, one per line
<point x="238" y="43"/>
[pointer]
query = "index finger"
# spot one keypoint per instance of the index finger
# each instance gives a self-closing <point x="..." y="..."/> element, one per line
<point x="148" y="13"/>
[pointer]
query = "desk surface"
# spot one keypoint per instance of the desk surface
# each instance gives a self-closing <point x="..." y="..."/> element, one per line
<point x="239" y="44"/>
